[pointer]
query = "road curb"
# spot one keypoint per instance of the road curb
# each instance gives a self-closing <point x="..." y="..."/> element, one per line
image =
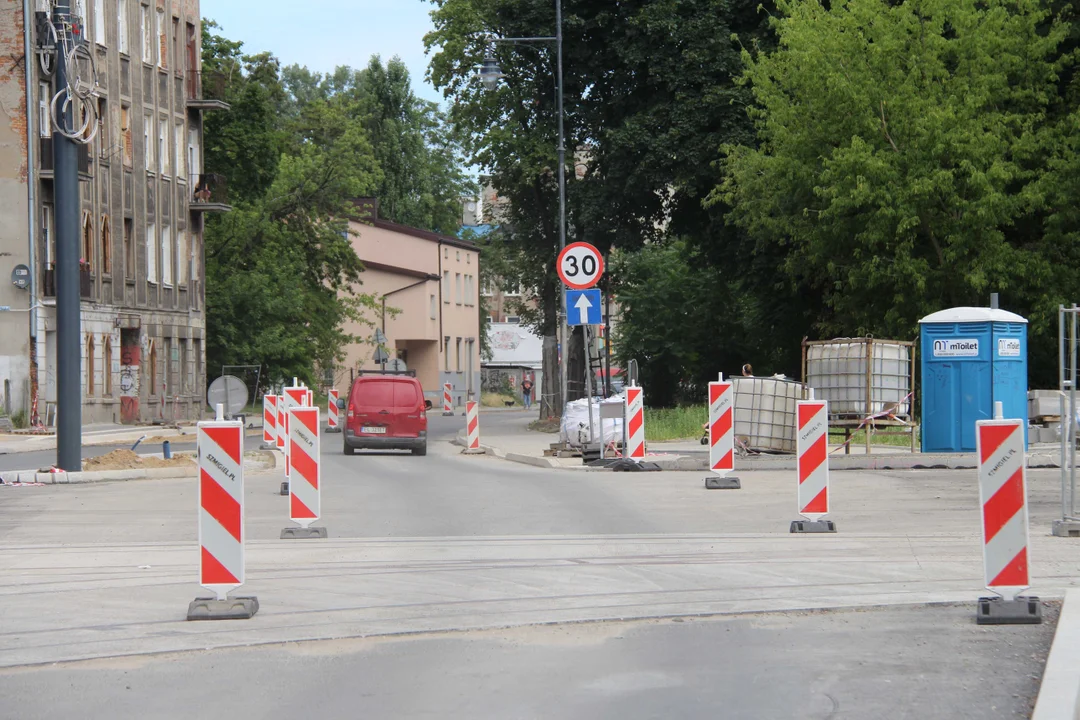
<point x="540" y="462"/>
<point x="1059" y="693"/>
<point x="11" y="477"/>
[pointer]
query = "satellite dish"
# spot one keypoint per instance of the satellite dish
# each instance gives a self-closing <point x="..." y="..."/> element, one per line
<point x="230" y="392"/>
<point x="396" y="365"/>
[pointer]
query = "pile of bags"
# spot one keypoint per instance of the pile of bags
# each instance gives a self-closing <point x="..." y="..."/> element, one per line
<point x="575" y="422"/>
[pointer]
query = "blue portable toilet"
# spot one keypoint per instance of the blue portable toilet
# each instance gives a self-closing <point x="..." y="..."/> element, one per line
<point x="971" y="358"/>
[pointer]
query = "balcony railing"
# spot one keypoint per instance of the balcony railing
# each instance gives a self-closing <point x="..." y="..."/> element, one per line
<point x="205" y="90"/>
<point x="209" y="193"/>
<point x="45" y="152"/>
<point x="85" y="282"/>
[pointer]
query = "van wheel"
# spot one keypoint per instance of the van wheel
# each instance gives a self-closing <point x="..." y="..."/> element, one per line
<point x="349" y="449"/>
<point x="420" y="450"/>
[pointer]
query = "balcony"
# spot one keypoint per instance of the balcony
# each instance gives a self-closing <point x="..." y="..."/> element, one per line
<point x="209" y="193"/>
<point x="216" y="89"/>
<point x="85" y="282"/>
<point x="45" y="152"/>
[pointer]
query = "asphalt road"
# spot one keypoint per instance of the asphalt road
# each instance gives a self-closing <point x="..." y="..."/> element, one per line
<point x="532" y="540"/>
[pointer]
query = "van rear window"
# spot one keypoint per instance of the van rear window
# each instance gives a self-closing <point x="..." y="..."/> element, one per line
<point x="377" y="394"/>
<point x="406" y="396"/>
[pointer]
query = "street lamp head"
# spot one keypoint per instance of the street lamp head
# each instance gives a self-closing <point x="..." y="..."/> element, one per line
<point x="490" y="73"/>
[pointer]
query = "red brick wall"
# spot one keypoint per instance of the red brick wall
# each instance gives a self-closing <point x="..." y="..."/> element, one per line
<point x="12" y="89"/>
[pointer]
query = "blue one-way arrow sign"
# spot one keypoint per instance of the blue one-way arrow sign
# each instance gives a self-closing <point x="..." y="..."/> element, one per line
<point x="583" y="307"/>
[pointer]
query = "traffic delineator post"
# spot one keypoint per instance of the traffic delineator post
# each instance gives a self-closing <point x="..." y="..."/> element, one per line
<point x="333" y="424"/>
<point x="472" y="428"/>
<point x="305" y="474"/>
<point x="812" y="466"/>
<point x="999" y="446"/>
<point x="635" y="423"/>
<point x="447" y="399"/>
<point x="269" y="421"/>
<point x="291" y="397"/>
<point x="722" y="436"/>
<point x="220" y="449"/>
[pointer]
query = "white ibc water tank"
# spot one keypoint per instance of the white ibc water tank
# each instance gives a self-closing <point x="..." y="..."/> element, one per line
<point x="861" y="376"/>
<point x="765" y="412"/>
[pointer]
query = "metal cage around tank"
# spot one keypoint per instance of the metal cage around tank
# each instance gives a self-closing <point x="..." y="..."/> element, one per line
<point x="868" y="383"/>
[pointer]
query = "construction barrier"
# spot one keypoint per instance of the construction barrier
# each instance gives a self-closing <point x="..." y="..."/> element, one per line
<point x="1003" y="498"/>
<point x="635" y="423"/>
<point x="220" y="446"/>
<point x="280" y="439"/>
<point x="472" y="424"/>
<point x="270" y="415"/>
<point x="293" y="397"/>
<point x="447" y="399"/>
<point x="721" y="427"/>
<point x="332" y="422"/>
<point x="305" y="504"/>
<point x="812" y="453"/>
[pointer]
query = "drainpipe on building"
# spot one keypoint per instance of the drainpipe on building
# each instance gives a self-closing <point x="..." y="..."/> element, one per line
<point x="31" y="160"/>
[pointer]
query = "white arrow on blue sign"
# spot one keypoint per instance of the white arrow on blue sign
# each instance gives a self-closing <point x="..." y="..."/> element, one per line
<point x="583" y="307"/>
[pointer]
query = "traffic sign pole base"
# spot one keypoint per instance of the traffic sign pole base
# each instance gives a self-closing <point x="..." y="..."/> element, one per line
<point x="448" y="414"/>
<point x="235" y="608"/>
<point x="473" y="451"/>
<point x="813" y="526"/>
<point x="268" y="446"/>
<point x="1065" y="528"/>
<point x="299" y="533"/>
<point x="1024" y="610"/>
<point x="284" y="488"/>
<point x="333" y="430"/>
<point x="722" y="483"/>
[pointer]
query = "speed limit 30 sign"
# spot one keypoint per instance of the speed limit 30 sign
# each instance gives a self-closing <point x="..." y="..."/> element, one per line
<point x="580" y="266"/>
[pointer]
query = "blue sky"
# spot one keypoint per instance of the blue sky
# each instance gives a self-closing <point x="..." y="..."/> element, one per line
<point x="323" y="34"/>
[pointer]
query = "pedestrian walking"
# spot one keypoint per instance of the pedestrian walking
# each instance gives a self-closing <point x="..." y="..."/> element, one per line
<point x="526" y="392"/>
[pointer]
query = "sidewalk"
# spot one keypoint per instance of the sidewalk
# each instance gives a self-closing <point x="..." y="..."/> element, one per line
<point x="98" y="435"/>
<point x="510" y="439"/>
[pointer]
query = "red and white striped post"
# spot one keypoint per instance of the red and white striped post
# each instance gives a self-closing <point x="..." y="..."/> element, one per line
<point x="472" y="427"/>
<point x="999" y="445"/>
<point x="220" y="445"/>
<point x="447" y="399"/>
<point x="292" y="397"/>
<point x="722" y="435"/>
<point x="812" y="465"/>
<point x="333" y="424"/>
<point x="635" y="423"/>
<point x="270" y="415"/>
<point x="305" y="475"/>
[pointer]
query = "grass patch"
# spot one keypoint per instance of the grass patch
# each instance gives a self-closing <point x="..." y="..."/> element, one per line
<point x="493" y="400"/>
<point x="550" y="425"/>
<point x="680" y="423"/>
<point x="876" y="438"/>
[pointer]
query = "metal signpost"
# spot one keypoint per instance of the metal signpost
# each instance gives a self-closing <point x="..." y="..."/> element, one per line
<point x="580" y="267"/>
<point x="1069" y="524"/>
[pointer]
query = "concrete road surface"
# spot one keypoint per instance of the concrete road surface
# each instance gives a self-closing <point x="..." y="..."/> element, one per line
<point x="430" y="558"/>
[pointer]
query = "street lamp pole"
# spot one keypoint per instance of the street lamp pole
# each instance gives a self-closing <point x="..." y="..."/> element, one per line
<point x="490" y="74"/>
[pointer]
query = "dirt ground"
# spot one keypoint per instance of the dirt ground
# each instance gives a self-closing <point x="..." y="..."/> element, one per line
<point x="128" y="460"/>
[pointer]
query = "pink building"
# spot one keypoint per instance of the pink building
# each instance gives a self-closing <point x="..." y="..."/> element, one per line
<point x="428" y="288"/>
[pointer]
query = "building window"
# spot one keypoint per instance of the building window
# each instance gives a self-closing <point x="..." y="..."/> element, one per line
<point x="163" y="147"/>
<point x="122" y="26"/>
<point x="469" y="290"/>
<point x="457" y="354"/>
<point x="485" y="288"/>
<point x="148" y="135"/>
<point x="129" y="248"/>
<point x="182" y="259"/>
<point x="106" y="365"/>
<point x="176" y="56"/>
<point x="90" y="366"/>
<point x="99" y="22"/>
<point x="47" y="235"/>
<point x="446" y="353"/>
<point x="87" y="240"/>
<point x="457" y="288"/>
<point x="162" y="42"/>
<point x="178" y="148"/>
<point x="104" y="149"/>
<point x="147" y="36"/>
<point x="153" y="368"/>
<point x="78" y="8"/>
<point x="433" y="306"/>
<point x="106" y="245"/>
<point x="151" y="252"/>
<point x="457" y="256"/>
<point x="197" y="352"/>
<point x="513" y="319"/>
<point x="125" y="133"/>
<point x="44" y="112"/>
<point x="446" y="287"/>
<point x="166" y="255"/>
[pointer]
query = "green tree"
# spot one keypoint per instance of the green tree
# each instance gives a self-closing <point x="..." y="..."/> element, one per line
<point x="901" y="145"/>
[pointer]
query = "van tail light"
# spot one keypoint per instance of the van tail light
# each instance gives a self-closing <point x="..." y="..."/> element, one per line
<point x="423" y="414"/>
<point x="351" y="414"/>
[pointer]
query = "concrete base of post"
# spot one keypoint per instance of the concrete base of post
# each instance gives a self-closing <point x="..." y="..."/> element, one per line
<point x="1024" y="610"/>
<point x="268" y="446"/>
<point x="473" y="451"/>
<point x="299" y="533"/>
<point x="448" y="414"/>
<point x="333" y="429"/>
<point x="813" y="526"/>
<point x="235" y="608"/>
<point x="1065" y="528"/>
<point x="284" y="488"/>
<point x="722" y="483"/>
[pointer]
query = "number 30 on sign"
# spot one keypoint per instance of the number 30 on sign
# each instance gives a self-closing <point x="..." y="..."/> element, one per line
<point x="580" y="266"/>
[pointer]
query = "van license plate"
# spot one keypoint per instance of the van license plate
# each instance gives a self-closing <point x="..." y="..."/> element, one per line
<point x="373" y="430"/>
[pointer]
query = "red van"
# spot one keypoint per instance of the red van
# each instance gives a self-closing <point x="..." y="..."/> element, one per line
<point x="386" y="412"/>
